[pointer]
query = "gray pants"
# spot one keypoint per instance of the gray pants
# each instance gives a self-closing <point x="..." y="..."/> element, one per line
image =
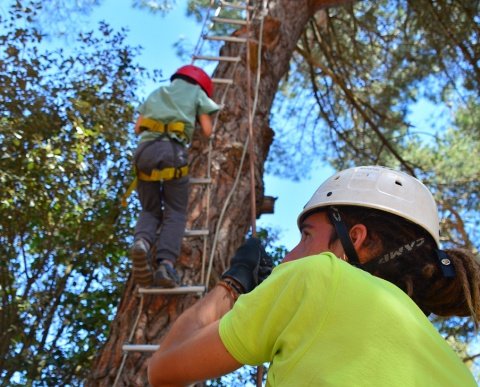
<point x="164" y="204"/>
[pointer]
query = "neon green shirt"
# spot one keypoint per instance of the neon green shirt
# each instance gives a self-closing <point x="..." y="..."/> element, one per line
<point x="179" y="101"/>
<point x="322" y="322"/>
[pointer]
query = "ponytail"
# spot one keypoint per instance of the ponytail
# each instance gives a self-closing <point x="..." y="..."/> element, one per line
<point x="417" y="270"/>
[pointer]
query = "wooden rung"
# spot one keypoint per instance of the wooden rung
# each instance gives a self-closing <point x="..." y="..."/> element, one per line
<point x="223" y="80"/>
<point x="224" y="3"/>
<point x="179" y="290"/>
<point x="140" y="347"/>
<point x="233" y="39"/>
<point x="191" y="233"/>
<point x="229" y="21"/>
<point x="200" y="180"/>
<point x="217" y="58"/>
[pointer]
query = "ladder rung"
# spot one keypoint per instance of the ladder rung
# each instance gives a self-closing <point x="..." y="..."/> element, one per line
<point x="223" y="80"/>
<point x="190" y="233"/>
<point x="179" y="290"/>
<point x="140" y="347"/>
<point x="217" y="58"/>
<point x="224" y="3"/>
<point x="226" y="39"/>
<point x="229" y="21"/>
<point x="200" y="180"/>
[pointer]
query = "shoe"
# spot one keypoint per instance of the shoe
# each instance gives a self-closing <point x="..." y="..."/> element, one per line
<point x="142" y="270"/>
<point x="165" y="276"/>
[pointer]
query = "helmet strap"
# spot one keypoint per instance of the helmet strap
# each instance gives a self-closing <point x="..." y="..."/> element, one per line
<point x="342" y="232"/>
<point x="446" y="265"/>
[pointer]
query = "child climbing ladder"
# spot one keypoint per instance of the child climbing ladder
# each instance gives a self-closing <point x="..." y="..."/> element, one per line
<point x="165" y="125"/>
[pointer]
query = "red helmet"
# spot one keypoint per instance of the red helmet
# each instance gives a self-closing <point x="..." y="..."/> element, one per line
<point x="198" y="75"/>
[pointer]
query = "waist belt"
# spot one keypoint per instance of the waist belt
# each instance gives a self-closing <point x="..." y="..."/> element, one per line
<point x="177" y="128"/>
<point x="156" y="175"/>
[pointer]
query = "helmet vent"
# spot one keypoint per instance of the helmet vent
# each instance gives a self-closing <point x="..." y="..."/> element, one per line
<point x="329" y="194"/>
<point x="397" y="182"/>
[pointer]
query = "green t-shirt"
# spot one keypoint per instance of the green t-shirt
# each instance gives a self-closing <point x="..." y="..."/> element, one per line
<point x="322" y="322"/>
<point x="179" y="101"/>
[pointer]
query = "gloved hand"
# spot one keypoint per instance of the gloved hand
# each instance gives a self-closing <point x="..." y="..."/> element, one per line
<point x="250" y="265"/>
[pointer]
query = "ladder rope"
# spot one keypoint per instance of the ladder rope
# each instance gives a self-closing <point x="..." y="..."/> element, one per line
<point x="200" y="40"/>
<point x="227" y="201"/>
<point x="130" y="337"/>
<point x="208" y="195"/>
<point x="253" y="208"/>
<point x="205" y="279"/>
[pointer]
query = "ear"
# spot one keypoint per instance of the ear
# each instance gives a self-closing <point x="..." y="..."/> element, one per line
<point x="358" y="235"/>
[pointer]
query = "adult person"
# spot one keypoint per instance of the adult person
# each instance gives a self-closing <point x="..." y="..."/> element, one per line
<point x="165" y="125"/>
<point x="347" y="307"/>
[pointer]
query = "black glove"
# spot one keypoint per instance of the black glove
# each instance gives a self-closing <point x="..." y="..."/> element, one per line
<point x="250" y="265"/>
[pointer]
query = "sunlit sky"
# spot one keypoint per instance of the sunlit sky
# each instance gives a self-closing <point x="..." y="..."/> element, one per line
<point x="156" y="34"/>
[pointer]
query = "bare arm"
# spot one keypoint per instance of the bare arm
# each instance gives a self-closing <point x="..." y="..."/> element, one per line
<point x="206" y="124"/>
<point x="137" y="125"/>
<point x="192" y="350"/>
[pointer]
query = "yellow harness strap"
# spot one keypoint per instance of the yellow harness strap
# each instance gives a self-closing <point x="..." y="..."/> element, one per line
<point x="156" y="175"/>
<point x="177" y="128"/>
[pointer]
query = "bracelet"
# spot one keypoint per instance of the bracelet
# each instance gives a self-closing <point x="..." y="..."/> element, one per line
<point x="231" y="288"/>
<point x="238" y="289"/>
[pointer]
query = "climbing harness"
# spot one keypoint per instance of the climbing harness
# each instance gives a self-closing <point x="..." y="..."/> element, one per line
<point x="176" y="128"/>
<point x="156" y="175"/>
<point x="172" y="128"/>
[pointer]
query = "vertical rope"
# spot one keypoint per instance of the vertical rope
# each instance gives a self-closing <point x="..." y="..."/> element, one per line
<point x="242" y="159"/>
<point x="204" y="278"/>
<point x="200" y="40"/>
<point x="130" y="337"/>
<point x="253" y="204"/>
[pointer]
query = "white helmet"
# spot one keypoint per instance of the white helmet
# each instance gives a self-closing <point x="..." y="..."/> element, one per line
<point x="380" y="188"/>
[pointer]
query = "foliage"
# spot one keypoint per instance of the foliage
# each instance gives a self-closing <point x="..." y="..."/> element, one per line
<point x="65" y="161"/>
<point x="355" y="77"/>
<point x="161" y="6"/>
<point x="60" y="17"/>
<point x="359" y="70"/>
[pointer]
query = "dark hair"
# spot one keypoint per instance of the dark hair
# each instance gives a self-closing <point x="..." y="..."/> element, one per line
<point x="185" y="78"/>
<point x="417" y="271"/>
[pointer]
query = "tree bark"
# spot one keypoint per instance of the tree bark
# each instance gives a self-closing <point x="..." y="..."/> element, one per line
<point x="282" y="28"/>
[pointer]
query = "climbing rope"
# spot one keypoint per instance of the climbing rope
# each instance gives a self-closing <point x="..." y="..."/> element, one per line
<point x="205" y="279"/>
<point x="253" y="204"/>
<point x="242" y="159"/>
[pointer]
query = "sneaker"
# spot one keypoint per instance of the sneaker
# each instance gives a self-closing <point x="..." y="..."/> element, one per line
<point x="166" y="276"/>
<point x="142" y="271"/>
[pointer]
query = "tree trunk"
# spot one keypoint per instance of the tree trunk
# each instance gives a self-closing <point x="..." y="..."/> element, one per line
<point x="283" y="26"/>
